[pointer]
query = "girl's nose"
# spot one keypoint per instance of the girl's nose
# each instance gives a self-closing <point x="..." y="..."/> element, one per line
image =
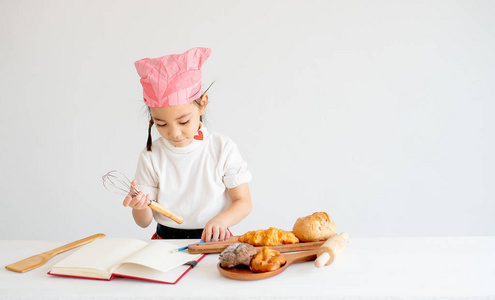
<point x="175" y="132"/>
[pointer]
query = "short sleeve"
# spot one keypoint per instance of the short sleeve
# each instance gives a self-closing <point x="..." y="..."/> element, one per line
<point x="146" y="177"/>
<point x="235" y="168"/>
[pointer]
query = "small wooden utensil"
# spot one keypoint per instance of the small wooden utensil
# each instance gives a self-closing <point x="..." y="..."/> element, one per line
<point x="244" y="273"/>
<point x="35" y="261"/>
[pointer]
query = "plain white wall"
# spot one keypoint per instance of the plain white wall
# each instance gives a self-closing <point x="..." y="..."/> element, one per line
<point x="377" y="112"/>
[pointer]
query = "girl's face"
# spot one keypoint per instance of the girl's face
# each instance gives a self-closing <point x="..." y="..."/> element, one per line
<point x="179" y="124"/>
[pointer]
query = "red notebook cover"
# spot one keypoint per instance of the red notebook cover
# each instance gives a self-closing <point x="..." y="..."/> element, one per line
<point x="127" y="276"/>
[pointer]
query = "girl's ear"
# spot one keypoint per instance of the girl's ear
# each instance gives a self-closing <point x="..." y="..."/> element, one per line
<point x="204" y="103"/>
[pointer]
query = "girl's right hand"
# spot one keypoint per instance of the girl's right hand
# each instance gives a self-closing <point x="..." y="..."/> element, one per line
<point x="138" y="202"/>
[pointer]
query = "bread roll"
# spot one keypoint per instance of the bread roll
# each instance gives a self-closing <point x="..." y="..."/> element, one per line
<point x="316" y="227"/>
<point x="237" y="254"/>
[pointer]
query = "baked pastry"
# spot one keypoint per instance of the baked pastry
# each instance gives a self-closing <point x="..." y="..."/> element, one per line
<point x="237" y="254"/>
<point x="267" y="260"/>
<point x="316" y="227"/>
<point x="269" y="237"/>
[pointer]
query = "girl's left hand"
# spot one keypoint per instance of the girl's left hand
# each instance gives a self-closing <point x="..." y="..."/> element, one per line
<point x="215" y="231"/>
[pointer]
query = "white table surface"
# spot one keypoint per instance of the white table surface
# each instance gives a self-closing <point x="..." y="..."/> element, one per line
<point x="370" y="268"/>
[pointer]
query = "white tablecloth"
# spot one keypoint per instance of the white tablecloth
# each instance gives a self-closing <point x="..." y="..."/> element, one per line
<point x="370" y="268"/>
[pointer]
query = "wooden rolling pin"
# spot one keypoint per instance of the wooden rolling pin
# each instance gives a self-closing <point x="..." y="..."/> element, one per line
<point x="331" y="249"/>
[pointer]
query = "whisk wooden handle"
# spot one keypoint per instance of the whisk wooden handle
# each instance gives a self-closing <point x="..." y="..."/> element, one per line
<point x="166" y="212"/>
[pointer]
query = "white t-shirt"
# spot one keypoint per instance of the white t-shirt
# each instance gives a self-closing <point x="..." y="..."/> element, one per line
<point x="192" y="181"/>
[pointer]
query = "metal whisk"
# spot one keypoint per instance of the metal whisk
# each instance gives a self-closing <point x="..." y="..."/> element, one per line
<point x="116" y="182"/>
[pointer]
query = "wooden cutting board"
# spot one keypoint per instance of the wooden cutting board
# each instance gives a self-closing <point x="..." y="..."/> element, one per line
<point x="244" y="273"/>
<point x="218" y="247"/>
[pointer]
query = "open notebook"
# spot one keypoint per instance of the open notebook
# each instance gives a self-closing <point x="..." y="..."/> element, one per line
<point x="109" y="257"/>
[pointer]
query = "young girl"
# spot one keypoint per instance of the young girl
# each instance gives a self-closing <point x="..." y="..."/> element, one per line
<point x="197" y="174"/>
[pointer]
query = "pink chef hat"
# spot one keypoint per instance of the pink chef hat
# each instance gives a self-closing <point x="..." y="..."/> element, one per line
<point x="172" y="79"/>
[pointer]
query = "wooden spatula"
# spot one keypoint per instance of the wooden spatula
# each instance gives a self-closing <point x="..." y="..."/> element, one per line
<point x="40" y="259"/>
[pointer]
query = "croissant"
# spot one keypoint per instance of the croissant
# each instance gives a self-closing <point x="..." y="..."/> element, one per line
<point x="269" y="237"/>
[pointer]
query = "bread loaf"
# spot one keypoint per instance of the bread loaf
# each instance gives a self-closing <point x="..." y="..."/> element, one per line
<point x="316" y="227"/>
